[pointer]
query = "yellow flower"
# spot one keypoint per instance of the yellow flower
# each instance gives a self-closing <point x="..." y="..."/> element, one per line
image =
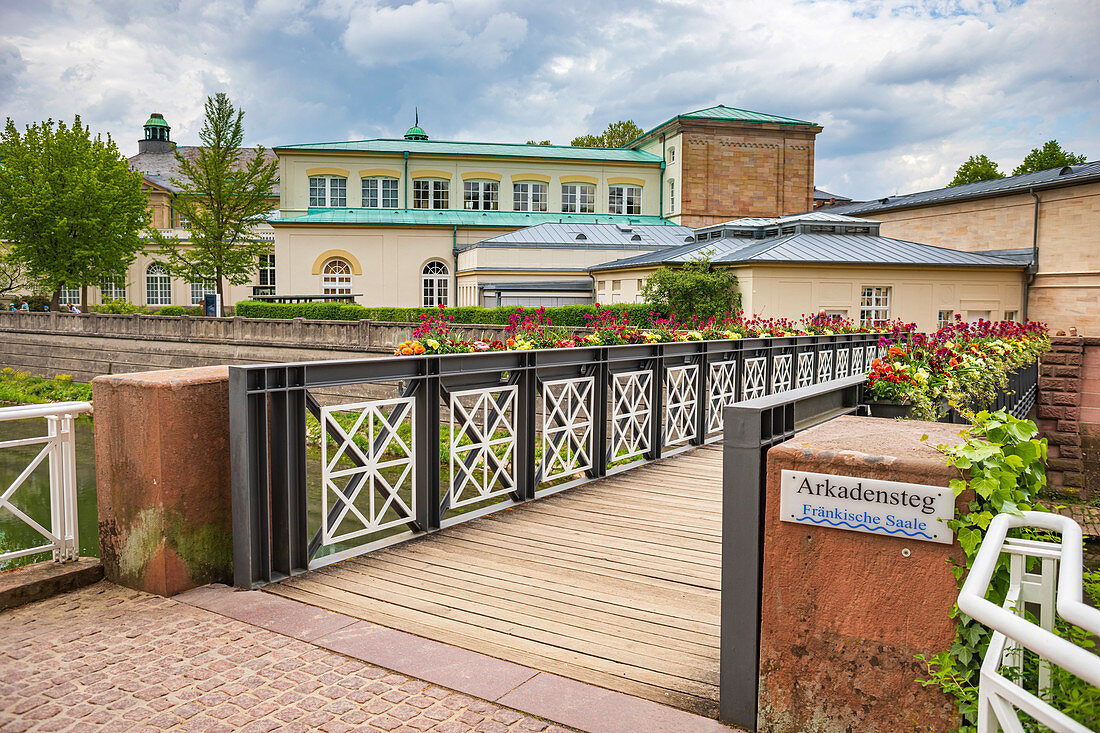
<point x="432" y="343"/>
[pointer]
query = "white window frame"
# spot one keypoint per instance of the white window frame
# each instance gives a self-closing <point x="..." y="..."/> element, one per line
<point x="942" y="321"/>
<point x="435" y="282"/>
<point x="379" y="192"/>
<point x="200" y="289"/>
<point x="112" y="288"/>
<point x="265" y="272"/>
<point x="158" y="285"/>
<point x="71" y="296"/>
<point x="1011" y="315"/>
<point x="481" y="195"/>
<point x="624" y="200"/>
<point x="672" y="194"/>
<point x="336" y="277"/>
<point x="874" y="304"/>
<point x="328" y="192"/>
<point x="529" y="196"/>
<point x="434" y="192"/>
<point x="578" y="198"/>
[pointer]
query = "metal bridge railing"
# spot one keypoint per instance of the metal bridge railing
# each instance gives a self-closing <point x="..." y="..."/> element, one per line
<point x="407" y="445"/>
<point x="59" y="453"/>
<point x="1045" y="578"/>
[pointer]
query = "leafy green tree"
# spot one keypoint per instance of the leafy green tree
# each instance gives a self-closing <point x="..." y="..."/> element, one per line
<point x="539" y="142"/>
<point x="71" y="210"/>
<point x="697" y="288"/>
<point x="1051" y="155"/>
<point x="977" y="168"/>
<point x="616" y="135"/>
<point x="223" y="195"/>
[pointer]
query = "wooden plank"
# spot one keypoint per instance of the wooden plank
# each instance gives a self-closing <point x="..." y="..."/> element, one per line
<point x="507" y="635"/>
<point x="520" y="612"/>
<point x="627" y="527"/>
<point x="595" y="502"/>
<point x="621" y="612"/>
<point x="702" y="705"/>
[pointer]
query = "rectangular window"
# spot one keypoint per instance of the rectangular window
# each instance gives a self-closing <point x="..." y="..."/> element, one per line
<point x="200" y="289"/>
<point x="70" y="296"/>
<point x="578" y="198"/>
<point x="325" y="191"/>
<point x="1010" y="315"/>
<point x="112" y="288"/>
<point x="874" y="305"/>
<point x="672" y="155"/>
<point x="481" y="195"/>
<point x="380" y="193"/>
<point x="944" y="318"/>
<point x="529" y="197"/>
<point x="267" y="271"/>
<point x="671" y="195"/>
<point x="624" y="200"/>
<point x="429" y="194"/>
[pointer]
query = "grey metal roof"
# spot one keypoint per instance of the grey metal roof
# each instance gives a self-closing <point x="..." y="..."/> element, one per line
<point x="829" y="216"/>
<point x="982" y="189"/>
<point x="569" y="285"/>
<point x="846" y="249"/>
<point x="160" y="167"/>
<point x="582" y="236"/>
<point x="826" y="196"/>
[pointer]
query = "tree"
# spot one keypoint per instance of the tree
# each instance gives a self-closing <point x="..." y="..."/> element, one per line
<point x="538" y="142"/>
<point x="977" y="168"/>
<point x="223" y="196"/>
<point x="1051" y="155"/>
<point x="13" y="273"/>
<point x="698" y="288"/>
<point x="71" y="210"/>
<point x="616" y="135"/>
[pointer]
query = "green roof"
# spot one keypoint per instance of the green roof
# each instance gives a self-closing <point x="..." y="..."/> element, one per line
<point x="500" y="150"/>
<point x="156" y="120"/>
<point x="722" y="112"/>
<point x="459" y="217"/>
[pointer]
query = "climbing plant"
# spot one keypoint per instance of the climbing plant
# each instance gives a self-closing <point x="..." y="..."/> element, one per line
<point x="1003" y="462"/>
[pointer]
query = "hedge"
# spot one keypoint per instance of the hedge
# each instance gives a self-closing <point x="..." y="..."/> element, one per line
<point x="564" y="315"/>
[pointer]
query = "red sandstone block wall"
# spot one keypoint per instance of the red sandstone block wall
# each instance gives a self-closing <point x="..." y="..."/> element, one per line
<point x="1069" y="412"/>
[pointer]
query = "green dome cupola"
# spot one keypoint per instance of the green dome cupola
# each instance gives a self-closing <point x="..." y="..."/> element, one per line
<point x="416" y="132"/>
<point x="158" y="136"/>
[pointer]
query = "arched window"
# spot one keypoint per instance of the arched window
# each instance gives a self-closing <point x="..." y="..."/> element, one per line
<point x="436" y="282"/>
<point x="158" y="285"/>
<point x="336" y="277"/>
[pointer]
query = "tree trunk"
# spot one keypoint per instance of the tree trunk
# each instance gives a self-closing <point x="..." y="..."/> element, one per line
<point x="84" y="299"/>
<point x="55" y="301"/>
<point x="221" y="290"/>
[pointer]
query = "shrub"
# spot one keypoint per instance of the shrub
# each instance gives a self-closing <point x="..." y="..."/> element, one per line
<point x="180" y="310"/>
<point x="119" y="306"/>
<point x="695" y="289"/>
<point x="37" y="302"/>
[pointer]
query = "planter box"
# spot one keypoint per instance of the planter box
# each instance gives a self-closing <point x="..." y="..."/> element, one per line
<point x="893" y="410"/>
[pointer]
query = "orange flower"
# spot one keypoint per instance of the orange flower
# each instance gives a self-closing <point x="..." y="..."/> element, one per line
<point x="418" y="349"/>
<point x="406" y="351"/>
<point x="895" y="351"/>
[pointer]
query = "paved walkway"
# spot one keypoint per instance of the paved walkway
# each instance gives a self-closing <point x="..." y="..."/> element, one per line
<point x="107" y="658"/>
<point x="215" y="659"/>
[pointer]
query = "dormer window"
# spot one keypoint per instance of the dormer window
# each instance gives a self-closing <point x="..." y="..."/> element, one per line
<point x="328" y="191"/>
<point x="624" y="200"/>
<point x="481" y="195"/>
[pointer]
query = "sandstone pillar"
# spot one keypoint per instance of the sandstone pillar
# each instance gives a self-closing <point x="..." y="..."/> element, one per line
<point x="162" y="478"/>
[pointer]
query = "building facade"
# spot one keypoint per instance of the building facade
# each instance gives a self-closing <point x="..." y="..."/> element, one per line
<point x="1048" y="219"/>
<point x="387" y="221"/>
<point x="792" y="266"/>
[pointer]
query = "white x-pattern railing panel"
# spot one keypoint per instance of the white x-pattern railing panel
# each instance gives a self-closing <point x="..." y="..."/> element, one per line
<point x="631" y="413"/>
<point x="722" y="388"/>
<point x="824" y="365"/>
<point x="681" y="400"/>
<point x="567" y="426"/>
<point x="58" y="452"/>
<point x="781" y="373"/>
<point x="805" y="369"/>
<point x="857" y="360"/>
<point x="482" y="444"/>
<point x="371" y="477"/>
<point x="841" y="363"/>
<point x="754" y="378"/>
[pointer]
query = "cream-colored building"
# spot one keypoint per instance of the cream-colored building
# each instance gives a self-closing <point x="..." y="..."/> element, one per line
<point x="395" y="222"/>
<point x="1048" y="219"/>
<point x="793" y="266"/>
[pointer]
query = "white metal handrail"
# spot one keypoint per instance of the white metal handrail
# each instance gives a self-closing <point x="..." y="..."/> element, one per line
<point x="1056" y="590"/>
<point x="59" y="452"/>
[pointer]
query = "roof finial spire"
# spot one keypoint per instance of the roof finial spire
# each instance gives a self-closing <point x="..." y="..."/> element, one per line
<point x="414" y="132"/>
<point x="416" y="116"/>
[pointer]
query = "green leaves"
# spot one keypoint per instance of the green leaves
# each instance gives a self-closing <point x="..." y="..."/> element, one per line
<point x="695" y="289"/>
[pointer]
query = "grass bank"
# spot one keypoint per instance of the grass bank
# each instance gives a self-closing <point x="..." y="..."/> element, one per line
<point x="20" y="388"/>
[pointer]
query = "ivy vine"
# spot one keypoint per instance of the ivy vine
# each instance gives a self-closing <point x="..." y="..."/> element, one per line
<point x="1004" y="462"/>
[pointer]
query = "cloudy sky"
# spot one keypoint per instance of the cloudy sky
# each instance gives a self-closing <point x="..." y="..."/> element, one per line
<point x="905" y="89"/>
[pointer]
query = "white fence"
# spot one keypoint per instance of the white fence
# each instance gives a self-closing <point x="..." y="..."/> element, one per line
<point x="59" y="452"/>
<point x="1044" y="577"/>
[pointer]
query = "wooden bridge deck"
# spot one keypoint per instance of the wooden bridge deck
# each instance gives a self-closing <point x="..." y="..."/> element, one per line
<point x="614" y="583"/>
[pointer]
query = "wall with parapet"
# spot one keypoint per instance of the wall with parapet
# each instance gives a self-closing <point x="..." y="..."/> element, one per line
<point x="87" y="345"/>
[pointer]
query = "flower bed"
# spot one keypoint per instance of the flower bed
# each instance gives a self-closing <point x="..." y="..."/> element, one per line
<point x="535" y="330"/>
<point x="963" y="365"/>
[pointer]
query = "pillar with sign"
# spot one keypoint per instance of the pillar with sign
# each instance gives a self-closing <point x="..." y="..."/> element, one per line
<point x="856" y="580"/>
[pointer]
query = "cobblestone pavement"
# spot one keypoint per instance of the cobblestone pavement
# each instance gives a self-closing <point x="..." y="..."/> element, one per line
<point x="108" y="658"/>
